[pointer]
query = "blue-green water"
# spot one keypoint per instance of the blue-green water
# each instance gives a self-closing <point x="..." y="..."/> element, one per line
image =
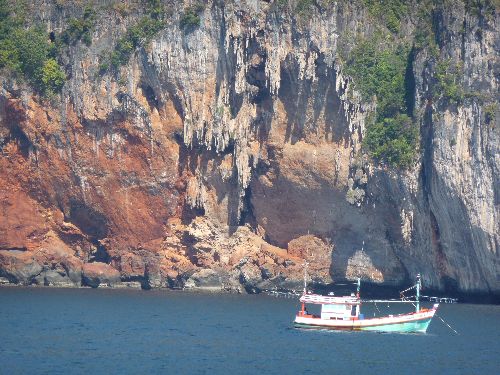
<point x="83" y="331"/>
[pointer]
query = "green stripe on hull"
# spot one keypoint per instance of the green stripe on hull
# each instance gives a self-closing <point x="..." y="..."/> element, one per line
<point x="419" y="326"/>
<point x="312" y="326"/>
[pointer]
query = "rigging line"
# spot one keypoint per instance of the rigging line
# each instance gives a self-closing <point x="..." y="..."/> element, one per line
<point x="406" y="290"/>
<point x="404" y="298"/>
<point x="447" y="324"/>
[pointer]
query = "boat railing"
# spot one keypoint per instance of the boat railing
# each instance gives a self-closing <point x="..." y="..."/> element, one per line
<point x="329" y="300"/>
<point x="282" y="294"/>
<point x="440" y="299"/>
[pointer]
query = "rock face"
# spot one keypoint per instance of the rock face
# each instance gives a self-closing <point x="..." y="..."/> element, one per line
<point x="223" y="157"/>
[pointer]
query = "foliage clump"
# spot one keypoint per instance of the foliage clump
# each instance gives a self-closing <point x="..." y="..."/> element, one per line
<point x="304" y="7"/>
<point x="393" y="140"/>
<point x="28" y="52"/>
<point x="379" y="72"/>
<point x="488" y="8"/>
<point x="391" y="12"/>
<point x="80" y="28"/>
<point x="136" y="36"/>
<point x="448" y="84"/>
<point x="53" y="77"/>
<point x="190" y="18"/>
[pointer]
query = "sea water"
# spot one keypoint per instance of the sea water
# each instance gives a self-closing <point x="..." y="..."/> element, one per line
<point x="87" y="331"/>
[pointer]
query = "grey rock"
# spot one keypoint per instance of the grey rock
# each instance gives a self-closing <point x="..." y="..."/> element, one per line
<point x="205" y="279"/>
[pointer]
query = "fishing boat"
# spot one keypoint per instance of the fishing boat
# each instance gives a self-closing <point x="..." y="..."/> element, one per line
<point x="344" y="313"/>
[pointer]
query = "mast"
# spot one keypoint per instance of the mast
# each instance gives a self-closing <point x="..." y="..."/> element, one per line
<point x="418" y="286"/>
<point x="303" y="305"/>
<point x="305" y="277"/>
<point x="357" y="295"/>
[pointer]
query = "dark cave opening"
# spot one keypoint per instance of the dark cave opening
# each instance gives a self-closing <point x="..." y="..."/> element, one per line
<point x="18" y="135"/>
<point x="150" y="96"/>
<point x="100" y="254"/>
<point x="90" y="221"/>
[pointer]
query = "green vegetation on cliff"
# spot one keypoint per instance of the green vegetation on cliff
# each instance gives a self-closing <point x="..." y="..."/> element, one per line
<point x="190" y="18"/>
<point x="381" y="68"/>
<point x="28" y="52"/>
<point x="394" y="140"/>
<point x="138" y="35"/>
<point x="490" y="111"/>
<point x="379" y="71"/>
<point x="390" y="12"/>
<point x="80" y="28"/>
<point x="303" y="7"/>
<point x="448" y="87"/>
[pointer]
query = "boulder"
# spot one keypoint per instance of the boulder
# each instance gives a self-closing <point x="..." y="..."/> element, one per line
<point x="60" y="266"/>
<point x="97" y="273"/>
<point x="250" y="275"/>
<point x="18" y="266"/>
<point x="56" y="277"/>
<point x="204" y="279"/>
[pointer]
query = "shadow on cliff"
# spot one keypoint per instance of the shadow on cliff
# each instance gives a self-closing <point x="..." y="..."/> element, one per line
<point x="307" y="101"/>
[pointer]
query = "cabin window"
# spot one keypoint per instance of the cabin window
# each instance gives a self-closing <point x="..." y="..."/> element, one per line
<point x="353" y="311"/>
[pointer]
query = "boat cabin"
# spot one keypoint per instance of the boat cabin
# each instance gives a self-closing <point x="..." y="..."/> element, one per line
<point x="339" y="308"/>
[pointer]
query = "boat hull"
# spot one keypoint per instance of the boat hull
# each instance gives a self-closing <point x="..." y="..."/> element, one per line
<point x="415" y="322"/>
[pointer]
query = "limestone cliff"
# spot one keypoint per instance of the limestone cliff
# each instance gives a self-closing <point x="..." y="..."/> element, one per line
<point x="222" y="154"/>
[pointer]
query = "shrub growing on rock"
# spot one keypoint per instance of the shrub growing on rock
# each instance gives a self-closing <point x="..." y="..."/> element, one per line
<point x="80" y="28"/>
<point x="393" y="140"/>
<point x="53" y="77"/>
<point x="190" y="18"/>
<point x="136" y="36"/>
<point x="389" y="11"/>
<point x="448" y="82"/>
<point x="378" y="71"/>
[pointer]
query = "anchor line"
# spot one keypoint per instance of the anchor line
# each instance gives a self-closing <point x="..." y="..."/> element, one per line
<point x="403" y="298"/>
<point x="446" y="324"/>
